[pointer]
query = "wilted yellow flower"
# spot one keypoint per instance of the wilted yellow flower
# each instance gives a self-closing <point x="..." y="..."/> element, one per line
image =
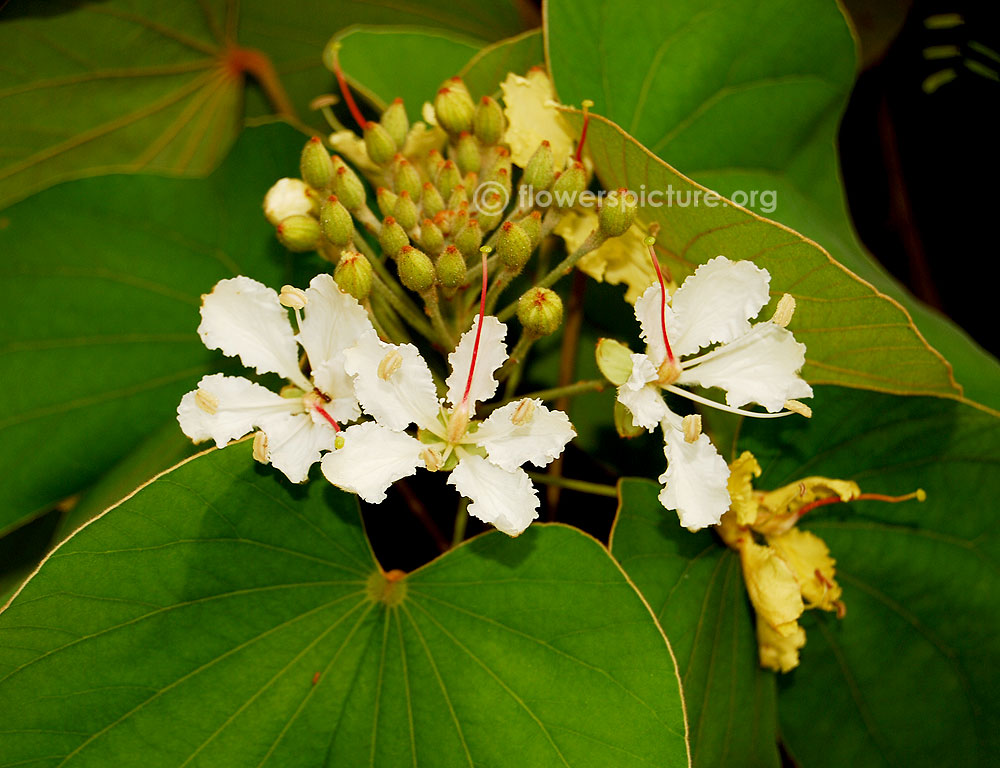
<point x="776" y="651"/>
<point x="532" y="117"/>
<point x="742" y="471"/>
<point x="809" y="558"/>
<point x="779" y="509"/>
<point x="772" y="586"/>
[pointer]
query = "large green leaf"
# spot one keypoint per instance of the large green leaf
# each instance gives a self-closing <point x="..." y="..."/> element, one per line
<point x="695" y="587"/>
<point x="127" y="85"/>
<point x="742" y="97"/>
<point x="487" y="69"/>
<point x="909" y="676"/>
<point x="221" y="618"/>
<point x="100" y="285"/>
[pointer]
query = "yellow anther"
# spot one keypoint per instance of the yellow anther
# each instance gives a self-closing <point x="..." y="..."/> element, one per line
<point x="524" y="412"/>
<point x="208" y="402"/>
<point x="784" y="311"/>
<point x="390" y="364"/>
<point x="292" y="297"/>
<point x="801" y="408"/>
<point x="431" y="459"/>
<point x="692" y="427"/>
<point x="260" y="447"/>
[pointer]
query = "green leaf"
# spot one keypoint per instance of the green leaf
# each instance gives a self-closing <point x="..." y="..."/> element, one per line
<point x="122" y="86"/>
<point x="745" y="97"/>
<point x="695" y="587"/>
<point x="909" y="676"/>
<point x="487" y="69"/>
<point x="101" y="283"/>
<point x="221" y="618"/>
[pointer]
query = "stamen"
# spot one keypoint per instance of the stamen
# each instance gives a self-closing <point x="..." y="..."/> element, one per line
<point x="784" y="311"/>
<point x="485" y="251"/>
<point x="650" y="241"/>
<point x="292" y="297"/>
<point x="208" y="402"/>
<point x="692" y="427"/>
<point x="355" y="112"/>
<point x="524" y="412"/>
<point x="432" y="459"/>
<point x="586" y="104"/>
<point x="315" y="400"/>
<point x="389" y="364"/>
<point x="722" y="406"/>
<point x="800" y="408"/>
<point x="919" y="495"/>
<point x="260" y="447"/>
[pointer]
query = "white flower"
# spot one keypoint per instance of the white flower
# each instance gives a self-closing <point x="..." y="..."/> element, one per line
<point x="288" y="197"/>
<point x="245" y="318"/>
<point x="752" y="364"/>
<point x="395" y="386"/>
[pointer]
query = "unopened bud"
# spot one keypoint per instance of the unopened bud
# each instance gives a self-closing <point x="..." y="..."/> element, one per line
<point x="469" y="238"/>
<point x="386" y="200"/>
<point x="292" y="297"/>
<point x="288" y="197"/>
<point x="431" y="202"/>
<point x="206" y="401"/>
<point x="392" y="237"/>
<point x="691" y="426"/>
<point x="336" y="222"/>
<point x="260" y="447"/>
<point x="532" y="224"/>
<point x="416" y="270"/>
<point x="405" y="210"/>
<point x="448" y="178"/>
<point x="406" y="179"/>
<point x="454" y="109"/>
<point x="379" y="143"/>
<point x="395" y="122"/>
<point x="490" y="218"/>
<point x="431" y="238"/>
<point x="354" y="275"/>
<point x="348" y="187"/>
<point x="617" y="213"/>
<point x="458" y="197"/>
<point x="316" y="165"/>
<point x="451" y="267"/>
<point x="784" y="311"/>
<point x="540" y="171"/>
<point x="299" y="233"/>
<point x="467" y="154"/>
<point x="433" y="163"/>
<point x="488" y="122"/>
<point x="540" y="311"/>
<point x="568" y="185"/>
<point x="513" y="247"/>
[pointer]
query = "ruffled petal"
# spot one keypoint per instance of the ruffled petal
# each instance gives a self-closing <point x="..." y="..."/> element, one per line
<point x="244" y="318"/>
<point x="716" y="303"/>
<point x="229" y="407"/>
<point x="760" y="367"/>
<point x="505" y="499"/>
<point x="643" y="398"/>
<point x="371" y="459"/>
<point x="695" y="483"/>
<point x="406" y="396"/>
<point x="522" y="431"/>
<point x="532" y="117"/>
<point x="492" y="354"/>
<point x="295" y="442"/>
<point x="647" y="312"/>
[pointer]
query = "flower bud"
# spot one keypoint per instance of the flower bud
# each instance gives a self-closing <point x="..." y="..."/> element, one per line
<point x="513" y="247"/>
<point x="458" y="197"/>
<point x="405" y="211"/>
<point x="416" y="270"/>
<point x="540" y="171"/>
<point x="467" y="154"/>
<point x="395" y="122"/>
<point x="491" y="218"/>
<point x="451" y="267"/>
<point x="497" y="158"/>
<point x="617" y="213"/>
<point x="532" y="224"/>
<point x="288" y="197"/>
<point x="316" y="165"/>
<point x="448" y="178"/>
<point x="392" y="237"/>
<point x="568" y="185"/>
<point x="354" y="275"/>
<point x="348" y="187"/>
<point x="431" y="201"/>
<point x="386" y="200"/>
<point x="336" y="222"/>
<point x="488" y="122"/>
<point x="454" y="109"/>
<point x="469" y="238"/>
<point x="540" y="311"/>
<point x="299" y="233"/>
<point x="407" y="179"/>
<point x="379" y="143"/>
<point x="431" y="237"/>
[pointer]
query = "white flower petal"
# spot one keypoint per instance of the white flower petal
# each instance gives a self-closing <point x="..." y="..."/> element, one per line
<point x="295" y="442"/>
<point x="716" y="303"/>
<point x="243" y="317"/>
<point x="371" y="459"/>
<point x="760" y="367"/>
<point x="287" y="197"/>
<point x="492" y="354"/>
<point x="539" y="438"/>
<point x="695" y="483"/>
<point x="505" y="499"/>
<point x="641" y="396"/>
<point x="336" y="382"/>
<point x="647" y="312"/>
<point x="239" y="405"/>
<point x="407" y="396"/>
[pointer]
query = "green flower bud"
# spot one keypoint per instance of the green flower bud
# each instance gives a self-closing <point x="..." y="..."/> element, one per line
<point x="488" y="122"/>
<point x="299" y="233"/>
<point x="458" y="197"/>
<point x="448" y="178"/>
<point x="451" y="267"/>
<point x="348" y="187"/>
<point x="431" y="237"/>
<point x="431" y="201"/>
<point x="540" y="311"/>
<point x="405" y="211"/>
<point x="336" y="222"/>
<point x="541" y="169"/>
<point x="316" y="165"/>
<point x="454" y="109"/>
<point x="395" y="122"/>
<point x="532" y="224"/>
<point x="469" y="238"/>
<point x="513" y="247"/>
<point x="467" y="154"/>
<point x="617" y="213"/>
<point x="623" y="422"/>
<point x="490" y="218"/>
<point x="416" y="270"/>
<point x="379" y="143"/>
<point x="433" y="163"/>
<point x="407" y="179"/>
<point x="568" y="185"/>
<point x="392" y="237"/>
<point x="354" y="275"/>
<point x="386" y="200"/>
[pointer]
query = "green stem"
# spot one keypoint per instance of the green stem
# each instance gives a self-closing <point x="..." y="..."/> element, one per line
<point x="407" y="310"/>
<point x="500" y="283"/>
<point x="515" y="360"/>
<point x="430" y="298"/>
<point x="583" y="486"/>
<point x="461" y="520"/>
<point x="570" y="390"/>
<point x="395" y="330"/>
